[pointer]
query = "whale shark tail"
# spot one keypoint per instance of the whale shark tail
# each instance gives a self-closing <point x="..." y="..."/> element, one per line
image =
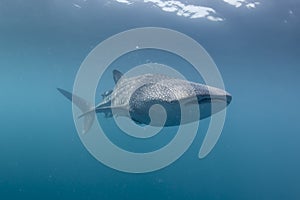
<point x="85" y="107"/>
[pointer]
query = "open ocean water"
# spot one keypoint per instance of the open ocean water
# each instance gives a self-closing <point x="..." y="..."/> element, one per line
<point x="256" y="48"/>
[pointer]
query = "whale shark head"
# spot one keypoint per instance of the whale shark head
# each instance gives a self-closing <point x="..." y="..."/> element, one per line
<point x="176" y="96"/>
<point x="211" y="100"/>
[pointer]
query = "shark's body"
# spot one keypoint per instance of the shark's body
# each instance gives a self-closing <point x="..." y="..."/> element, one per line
<point x="133" y="97"/>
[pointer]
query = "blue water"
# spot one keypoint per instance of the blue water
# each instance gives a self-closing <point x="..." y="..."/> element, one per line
<point x="42" y="45"/>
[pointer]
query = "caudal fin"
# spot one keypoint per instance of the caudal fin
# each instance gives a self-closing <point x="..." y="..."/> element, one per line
<point x="84" y="106"/>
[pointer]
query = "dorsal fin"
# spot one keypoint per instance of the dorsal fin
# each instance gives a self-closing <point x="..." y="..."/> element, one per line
<point x="117" y="75"/>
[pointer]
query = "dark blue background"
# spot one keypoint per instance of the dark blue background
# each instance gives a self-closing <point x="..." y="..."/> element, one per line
<point x="42" y="44"/>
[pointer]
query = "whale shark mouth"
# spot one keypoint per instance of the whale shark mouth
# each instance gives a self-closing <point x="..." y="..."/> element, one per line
<point x="211" y="99"/>
<point x="216" y="99"/>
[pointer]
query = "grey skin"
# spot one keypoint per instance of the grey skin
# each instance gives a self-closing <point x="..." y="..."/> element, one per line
<point x="134" y="97"/>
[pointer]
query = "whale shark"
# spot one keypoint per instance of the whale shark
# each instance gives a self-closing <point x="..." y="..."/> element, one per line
<point x="133" y="97"/>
